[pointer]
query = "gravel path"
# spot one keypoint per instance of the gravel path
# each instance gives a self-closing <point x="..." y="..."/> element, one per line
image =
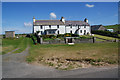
<point x="14" y="66"/>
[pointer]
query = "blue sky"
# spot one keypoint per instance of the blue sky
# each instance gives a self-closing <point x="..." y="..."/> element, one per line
<point x="17" y="16"/>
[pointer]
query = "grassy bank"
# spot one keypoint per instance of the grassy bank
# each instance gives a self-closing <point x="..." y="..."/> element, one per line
<point x="88" y="53"/>
<point x="114" y="27"/>
<point x="105" y="37"/>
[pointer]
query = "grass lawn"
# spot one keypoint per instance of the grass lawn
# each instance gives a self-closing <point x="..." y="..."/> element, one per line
<point x="23" y="45"/>
<point x="11" y="44"/>
<point x="105" y="37"/>
<point x="115" y="27"/>
<point x="105" y="52"/>
<point x="99" y="39"/>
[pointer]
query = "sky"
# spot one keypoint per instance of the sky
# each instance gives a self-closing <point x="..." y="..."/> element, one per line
<point x="17" y="16"/>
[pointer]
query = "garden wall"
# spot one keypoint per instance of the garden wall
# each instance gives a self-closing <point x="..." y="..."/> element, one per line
<point x="63" y="41"/>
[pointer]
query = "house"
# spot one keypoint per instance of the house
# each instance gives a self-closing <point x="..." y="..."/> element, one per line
<point x="98" y="27"/>
<point x="9" y="34"/>
<point x="111" y="30"/>
<point x="62" y="26"/>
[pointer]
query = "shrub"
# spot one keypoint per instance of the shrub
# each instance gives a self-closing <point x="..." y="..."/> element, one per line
<point x="60" y="35"/>
<point x="48" y="36"/>
<point x="30" y="59"/>
<point x="67" y="35"/>
<point x="75" y="35"/>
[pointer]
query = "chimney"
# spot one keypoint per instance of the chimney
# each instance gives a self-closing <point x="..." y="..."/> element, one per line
<point x="33" y="19"/>
<point x="86" y="20"/>
<point x="62" y="19"/>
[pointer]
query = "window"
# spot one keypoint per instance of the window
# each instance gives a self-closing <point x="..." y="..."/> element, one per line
<point x="41" y="27"/>
<point x="49" y="26"/>
<point x="58" y="32"/>
<point x="57" y="26"/>
<point x="71" y="32"/>
<point x="53" y="32"/>
<point x="49" y="32"/>
<point x="80" y="31"/>
<point x="84" y="31"/>
<point x="41" y="32"/>
<point x="84" y="26"/>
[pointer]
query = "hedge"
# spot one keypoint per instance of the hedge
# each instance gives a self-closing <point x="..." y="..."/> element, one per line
<point x="106" y="33"/>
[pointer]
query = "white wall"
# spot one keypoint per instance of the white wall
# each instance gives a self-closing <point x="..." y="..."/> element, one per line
<point x="61" y="28"/>
<point x="64" y="29"/>
<point x="69" y="29"/>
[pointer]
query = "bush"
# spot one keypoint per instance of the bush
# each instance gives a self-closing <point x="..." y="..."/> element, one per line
<point x="75" y="35"/>
<point x="60" y="35"/>
<point x="48" y="36"/>
<point x="30" y="59"/>
<point x="67" y="35"/>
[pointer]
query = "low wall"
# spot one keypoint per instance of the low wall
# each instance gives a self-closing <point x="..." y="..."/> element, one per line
<point x="83" y="40"/>
<point x="63" y="41"/>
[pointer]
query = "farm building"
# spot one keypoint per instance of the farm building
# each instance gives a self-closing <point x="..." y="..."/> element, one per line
<point x="98" y="27"/>
<point x="9" y="34"/>
<point x="62" y="26"/>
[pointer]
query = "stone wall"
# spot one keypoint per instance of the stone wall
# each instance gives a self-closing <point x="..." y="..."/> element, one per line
<point x="65" y="41"/>
<point x="9" y="34"/>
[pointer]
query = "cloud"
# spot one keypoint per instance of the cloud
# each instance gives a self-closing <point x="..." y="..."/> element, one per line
<point x="29" y="24"/>
<point x="53" y="15"/>
<point x="90" y="6"/>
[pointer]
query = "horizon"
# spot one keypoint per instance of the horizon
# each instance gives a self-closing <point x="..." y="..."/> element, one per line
<point x="17" y="16"/>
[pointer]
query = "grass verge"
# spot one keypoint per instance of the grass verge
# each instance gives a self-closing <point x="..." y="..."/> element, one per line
<point x="105" y="37"/>
<point x="80" y="55"/>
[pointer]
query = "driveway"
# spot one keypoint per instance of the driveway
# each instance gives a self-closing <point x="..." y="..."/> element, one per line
<point x="14" y="66"/>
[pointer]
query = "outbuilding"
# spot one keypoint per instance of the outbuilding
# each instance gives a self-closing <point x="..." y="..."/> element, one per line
<point x="9" y="34"/>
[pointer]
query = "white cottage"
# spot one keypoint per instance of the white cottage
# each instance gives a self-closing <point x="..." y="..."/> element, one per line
<point x="62" y="26"/>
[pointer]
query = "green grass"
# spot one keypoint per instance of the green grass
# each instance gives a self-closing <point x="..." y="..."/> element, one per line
<point x="108" y="52"/>
<point x="22" y="46"/>
<point x="47" y="39"/>
<point x="99" y="39"/>
<point x="9" y="44"/>
<point x="85" y="36"/>
<point x="114" y="27"/>
<point x="119" y="35"/>
<point x="105" y="37"/>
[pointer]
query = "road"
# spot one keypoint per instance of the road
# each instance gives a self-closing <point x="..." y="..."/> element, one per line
<point x="14" y="66"/>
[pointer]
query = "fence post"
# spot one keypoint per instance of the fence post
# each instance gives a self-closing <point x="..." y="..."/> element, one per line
<point x="94" y="38"/>
<point x="41" y="40"/>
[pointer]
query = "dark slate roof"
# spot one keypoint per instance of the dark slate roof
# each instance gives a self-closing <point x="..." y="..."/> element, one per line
<point x="76" y="23"/>
<point x="95" y="27"/>
<point x="58" y="22"/>
<point x="48" y="22"/>
<point x="9" y="31"/>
